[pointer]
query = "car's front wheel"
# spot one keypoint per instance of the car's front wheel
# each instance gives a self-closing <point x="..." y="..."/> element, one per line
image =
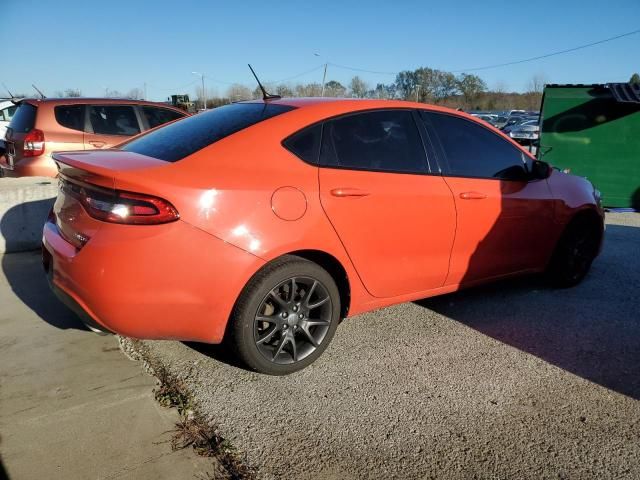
<point x="575" y="252"/>
<point x="285" y="316"/>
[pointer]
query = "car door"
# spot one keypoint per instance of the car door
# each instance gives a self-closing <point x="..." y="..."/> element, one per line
<point x="395" y="219"/>
<point x="110" y="125"/>
<point x="502" y="215"/>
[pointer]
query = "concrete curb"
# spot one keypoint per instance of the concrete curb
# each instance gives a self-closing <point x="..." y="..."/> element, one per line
<point x="24" y="205"/>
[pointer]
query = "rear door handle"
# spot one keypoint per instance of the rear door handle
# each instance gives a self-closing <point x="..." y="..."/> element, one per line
<point x="348" y="192"/>
<point x="473" y="195"/>
<point x="96" y="143"/>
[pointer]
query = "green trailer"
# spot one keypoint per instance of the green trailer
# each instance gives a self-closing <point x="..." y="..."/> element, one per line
<point x="594" y="131"/>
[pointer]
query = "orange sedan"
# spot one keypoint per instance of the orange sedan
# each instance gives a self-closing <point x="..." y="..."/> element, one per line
<point x="262" y="224"/>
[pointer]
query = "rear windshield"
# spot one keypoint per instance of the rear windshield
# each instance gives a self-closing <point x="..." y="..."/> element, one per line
<point x="181" y="139"/>
<point x="24" y="119"/>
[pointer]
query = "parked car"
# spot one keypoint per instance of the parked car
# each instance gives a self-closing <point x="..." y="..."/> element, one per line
<point x="7" y="109"/>
<point x="264" y="223"/>
<point x="40" y="127"/>
<point x="500" y="121"/>
<point x="489" y="118"/>
<point x="513" y="122"/>
<point x="526" y="133"/>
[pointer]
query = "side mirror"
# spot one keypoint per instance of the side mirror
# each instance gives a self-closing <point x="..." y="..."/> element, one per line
<point x="540" y="170"/>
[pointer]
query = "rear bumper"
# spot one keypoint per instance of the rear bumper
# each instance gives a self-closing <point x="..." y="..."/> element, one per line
<point x="169" y="281"/>
<point x="42" y="166"/>
<point x="68" y="300"/>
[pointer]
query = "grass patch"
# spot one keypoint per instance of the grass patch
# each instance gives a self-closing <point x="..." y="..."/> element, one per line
<point x="192" y="430"/>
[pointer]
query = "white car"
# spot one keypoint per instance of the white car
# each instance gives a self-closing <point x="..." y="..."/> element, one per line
<point x="7" y="109"/>
<point x="526" y="132"/>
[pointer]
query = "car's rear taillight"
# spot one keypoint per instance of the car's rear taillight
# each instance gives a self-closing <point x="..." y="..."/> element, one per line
<point x="33" y="143"/>
<point x="122" y="207"/>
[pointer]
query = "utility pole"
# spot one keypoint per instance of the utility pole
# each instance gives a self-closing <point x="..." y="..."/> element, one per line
<point x="204" y="93"/>
<point x="145" y="90"/>
<point x="324" y="75"/>
<point x="324" y="78"/>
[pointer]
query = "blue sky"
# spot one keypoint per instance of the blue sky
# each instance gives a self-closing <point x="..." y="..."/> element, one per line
<point x="120" y="45"/>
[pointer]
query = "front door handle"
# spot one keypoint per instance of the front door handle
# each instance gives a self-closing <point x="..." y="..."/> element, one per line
<point x="473" y="196"/>
<point x="96" y="143"/>
<point x="348" y="192"/>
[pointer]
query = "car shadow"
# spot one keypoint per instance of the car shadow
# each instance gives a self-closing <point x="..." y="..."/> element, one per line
<point x="592" y="330"/>
<point x="24" y="271"/>
<point x="219" y="352"/>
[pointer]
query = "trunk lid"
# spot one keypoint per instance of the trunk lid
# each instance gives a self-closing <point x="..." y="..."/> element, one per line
<point x="102" y="175"/>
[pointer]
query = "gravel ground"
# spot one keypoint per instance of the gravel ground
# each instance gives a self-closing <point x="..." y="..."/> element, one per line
<point x="510" y="380"/>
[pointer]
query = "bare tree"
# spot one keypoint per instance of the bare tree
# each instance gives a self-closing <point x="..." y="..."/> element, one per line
<point x="537" y="83"/>
<point x="284" y="91"/>
<point x="114" y="94"/>
<point x="237" y="92"/>
<point x="358" y="87"/>
<point x="135" y="94"/>
<point x="308" y="90"/>
<point x="69" y="92"/>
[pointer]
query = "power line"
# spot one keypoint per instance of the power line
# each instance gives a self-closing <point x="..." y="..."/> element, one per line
<point x="516" y="62"/>
<point x="362" y="70"/>
<point x="547" y="55"/>
<point x="299" y="74"/>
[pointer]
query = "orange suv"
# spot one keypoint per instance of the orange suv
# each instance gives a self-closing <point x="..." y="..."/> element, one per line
<point x="41" y="127"/>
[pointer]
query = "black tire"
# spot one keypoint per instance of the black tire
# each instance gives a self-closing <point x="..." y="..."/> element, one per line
<point x="279" y="325"/>
<point x="574" y="253"/>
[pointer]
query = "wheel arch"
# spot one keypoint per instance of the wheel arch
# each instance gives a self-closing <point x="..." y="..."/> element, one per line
<point x="589" y="216"/>
<point x="337" y="271"/>
<point x="325" y="260"/>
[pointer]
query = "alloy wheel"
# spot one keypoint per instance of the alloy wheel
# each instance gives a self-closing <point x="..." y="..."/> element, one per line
<point x="292" y="320"/>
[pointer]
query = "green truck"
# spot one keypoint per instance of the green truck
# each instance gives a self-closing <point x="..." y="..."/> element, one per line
<point x="594" y="131"/>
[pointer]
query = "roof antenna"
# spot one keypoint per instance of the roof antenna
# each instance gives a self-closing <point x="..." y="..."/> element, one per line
<point x="8" y="91"/>
<point x="265" y="95"/>
<point x="37" y="90"/>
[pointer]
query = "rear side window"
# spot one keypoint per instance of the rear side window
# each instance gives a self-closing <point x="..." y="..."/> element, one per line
<point x="306" y="143"/>
<point x="181" y="139"/>
<point x="385" y="140"/>
<point x="113" y="120"/>
<point x="24" y="119"/>
<point x="158" y="116"/>
<point x="473" y="151"/>
<point x="70" y="116"/>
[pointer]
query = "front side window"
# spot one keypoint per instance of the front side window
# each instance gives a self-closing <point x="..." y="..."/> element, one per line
<point x="158" y="116"/>
<point x="386" y="140"/>
<point x="70" y="116"/>
<point x="113" y="120"/>
<point x="474" y="151"/>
